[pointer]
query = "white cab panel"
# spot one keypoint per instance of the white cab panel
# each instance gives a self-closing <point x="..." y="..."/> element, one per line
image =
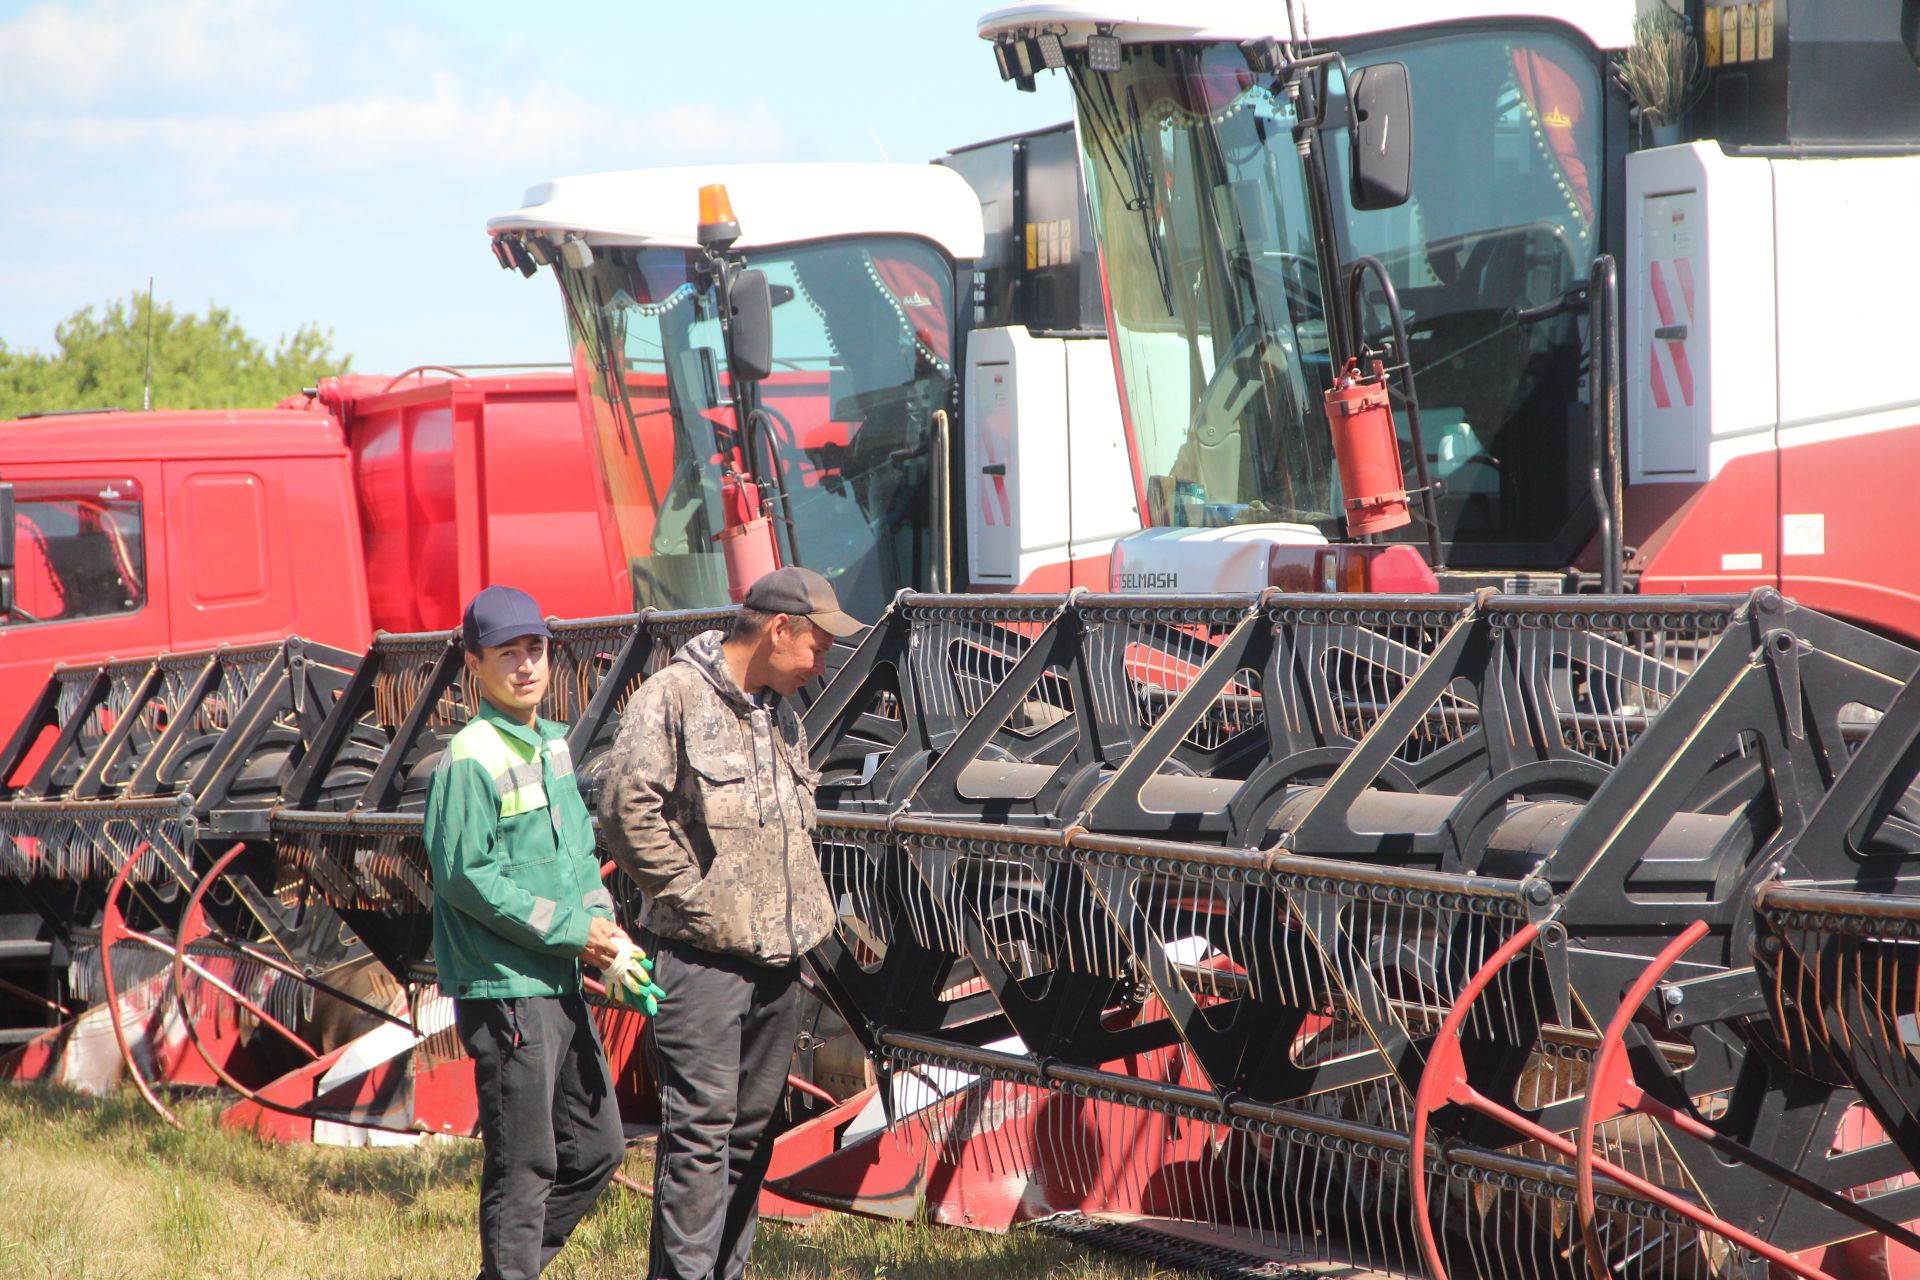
<point x="992" y="469"/>
<point x="1607" y="23"/>
<point x="1847" y="297"/>
<point x="1047" y="477"/>
<point x="1236" y="558"/>
<point x="775" y="204"/>
<point x="1106" y="503"/>
<point x="1698" y="340"/>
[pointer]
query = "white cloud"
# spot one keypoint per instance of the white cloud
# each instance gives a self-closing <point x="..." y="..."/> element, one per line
<point x="239" y="217"/>
<point x="62" y="55"/>
<point x="447" y="126"/>
<point x="196" y="140"/>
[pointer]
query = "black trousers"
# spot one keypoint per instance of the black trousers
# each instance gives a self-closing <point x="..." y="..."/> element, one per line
<point x="548" y="1121"/>
<point x="722" y="1044"/>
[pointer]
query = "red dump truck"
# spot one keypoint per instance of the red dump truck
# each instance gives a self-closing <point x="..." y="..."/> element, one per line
<point x="372" y="504"/>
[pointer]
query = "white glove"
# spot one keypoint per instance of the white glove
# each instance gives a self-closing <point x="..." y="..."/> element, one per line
<point x="629" y="977"/>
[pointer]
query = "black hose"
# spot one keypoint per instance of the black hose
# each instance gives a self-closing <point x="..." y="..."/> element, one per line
<point x="1603" y="366"/>
<point x="1356" y="281"/>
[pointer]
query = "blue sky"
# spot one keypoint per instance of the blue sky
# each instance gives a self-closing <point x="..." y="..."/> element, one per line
<point x="336" y="162"/>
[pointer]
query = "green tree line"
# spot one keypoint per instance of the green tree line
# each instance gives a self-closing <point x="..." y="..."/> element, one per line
<point x="199" y="362"/>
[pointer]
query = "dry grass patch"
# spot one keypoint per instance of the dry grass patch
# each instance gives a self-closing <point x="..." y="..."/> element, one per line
<point x="103" y="1190"/>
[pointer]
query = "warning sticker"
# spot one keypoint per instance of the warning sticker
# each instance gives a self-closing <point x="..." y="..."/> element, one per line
<point x="1740" y="562"/>
<point x="1803" y="535"/>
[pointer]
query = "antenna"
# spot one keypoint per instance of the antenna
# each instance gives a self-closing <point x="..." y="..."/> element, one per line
<point x="146" y="384"/>
<point x="875" y="135"/>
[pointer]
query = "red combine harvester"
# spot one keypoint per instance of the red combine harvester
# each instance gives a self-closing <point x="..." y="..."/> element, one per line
<point x="1752" y="442"/>
<point x="904" y="348"/>
<point x="1514" y="927"/>
<point x="1551" y="924"/>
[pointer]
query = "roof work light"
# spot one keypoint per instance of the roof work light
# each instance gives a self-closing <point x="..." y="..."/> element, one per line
<point x="718" y="228"/>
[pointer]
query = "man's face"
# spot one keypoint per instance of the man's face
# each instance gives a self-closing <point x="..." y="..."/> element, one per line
<point x="797" y="653"/>
<point x="513" y="675"/>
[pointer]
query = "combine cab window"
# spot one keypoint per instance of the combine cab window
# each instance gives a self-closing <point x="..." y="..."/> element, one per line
<point x="1205" y="228"/>
<point x="862" y="357"/>
<point x="79" y="550"/>
<point x="1477" y="264"/>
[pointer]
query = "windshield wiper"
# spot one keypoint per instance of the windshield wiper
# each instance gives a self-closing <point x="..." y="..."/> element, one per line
<point x="1141" y="171"/>
<point x="1137" y="177"/>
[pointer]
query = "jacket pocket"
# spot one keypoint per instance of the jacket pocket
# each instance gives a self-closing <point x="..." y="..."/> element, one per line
<point x="717" y="913"/>
<point x="723" y="792"/>
<point x="516" y="1026"/>
<point x="527" y="841"/>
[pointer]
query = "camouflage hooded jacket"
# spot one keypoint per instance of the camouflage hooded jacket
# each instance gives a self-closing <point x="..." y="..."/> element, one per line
<point x="708" y="806"/>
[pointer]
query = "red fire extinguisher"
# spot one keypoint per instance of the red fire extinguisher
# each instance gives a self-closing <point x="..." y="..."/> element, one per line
<point x="747" y="542"/>
<point x="1367" y="449"/>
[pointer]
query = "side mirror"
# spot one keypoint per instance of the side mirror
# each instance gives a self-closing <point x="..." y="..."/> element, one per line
<point x="1380" y="161"/>
<point x="750" y="326"/>
<point x="6" y="551"/>
<point x="6" y="526"/>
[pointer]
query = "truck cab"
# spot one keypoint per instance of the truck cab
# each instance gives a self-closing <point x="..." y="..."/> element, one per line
<point x="136" y="534"/>
<point x="373" y="503"/>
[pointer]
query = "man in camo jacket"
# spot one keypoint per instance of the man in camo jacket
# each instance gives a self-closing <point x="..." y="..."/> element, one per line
<point x="707" y="806"/>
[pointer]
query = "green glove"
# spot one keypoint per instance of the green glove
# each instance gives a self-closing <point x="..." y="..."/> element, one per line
<point x="637" y="988"/>
<point x="630" y="979"/>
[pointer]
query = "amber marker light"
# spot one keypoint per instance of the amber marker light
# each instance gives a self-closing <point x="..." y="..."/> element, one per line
<point x="717" y="228"/>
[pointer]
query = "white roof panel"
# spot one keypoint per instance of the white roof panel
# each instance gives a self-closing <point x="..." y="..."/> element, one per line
<point x="1607" y="23"/>
<point x="774" y="204"/>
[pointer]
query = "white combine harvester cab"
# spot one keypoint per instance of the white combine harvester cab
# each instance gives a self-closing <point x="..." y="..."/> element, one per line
<point x="1757" y="436"/>
<point x="861" y="263"/>
<point x="938" y="411"/>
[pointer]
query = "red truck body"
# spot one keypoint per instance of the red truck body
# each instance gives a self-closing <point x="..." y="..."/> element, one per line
<point x="474" y="481"/>
<point x="373" y="507"/>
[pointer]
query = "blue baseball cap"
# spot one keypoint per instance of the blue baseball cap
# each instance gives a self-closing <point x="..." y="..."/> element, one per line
<point x="500" y="614"/>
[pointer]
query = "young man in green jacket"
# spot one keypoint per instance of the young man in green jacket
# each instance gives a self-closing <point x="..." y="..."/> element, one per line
<point x="518" y="906"/>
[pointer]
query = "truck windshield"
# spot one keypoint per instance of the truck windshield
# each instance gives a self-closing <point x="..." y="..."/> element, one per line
<point x="863" y="356"/>
<point x="1200" y="205"/>
<point x="1507" y="182"/>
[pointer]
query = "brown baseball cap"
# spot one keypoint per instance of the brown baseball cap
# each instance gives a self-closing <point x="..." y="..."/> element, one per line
<point x="803" y="594"/>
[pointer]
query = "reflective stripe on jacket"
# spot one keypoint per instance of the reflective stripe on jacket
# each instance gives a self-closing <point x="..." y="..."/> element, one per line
<point x="515" y="876"/>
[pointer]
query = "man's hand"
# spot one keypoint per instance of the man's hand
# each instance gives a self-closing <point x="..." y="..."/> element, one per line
<point x="603" y="942"/>
<point x="630" y="980"/>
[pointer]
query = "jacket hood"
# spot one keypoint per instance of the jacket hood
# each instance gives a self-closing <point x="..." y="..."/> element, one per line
<point x="703" y="654"/>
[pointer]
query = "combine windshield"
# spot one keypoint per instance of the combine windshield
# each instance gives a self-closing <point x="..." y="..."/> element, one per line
<point x="1201" y="210"/>
<point x="1201" y="205"/>
<point x="863" y="351"/>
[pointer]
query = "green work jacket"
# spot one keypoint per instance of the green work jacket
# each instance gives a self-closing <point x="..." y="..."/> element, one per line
<point x="515" y="878"/>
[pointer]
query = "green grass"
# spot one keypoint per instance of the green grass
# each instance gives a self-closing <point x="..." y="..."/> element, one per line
<point x="102" y="1188"/>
